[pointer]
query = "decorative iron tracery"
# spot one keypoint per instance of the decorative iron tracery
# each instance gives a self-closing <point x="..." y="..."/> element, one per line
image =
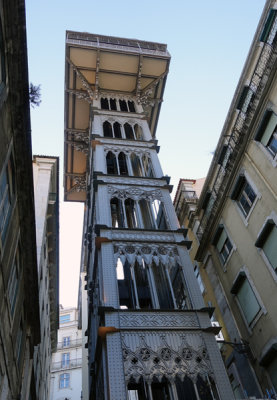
<point x="163" y="359"/>
<point x="134" y="193"/>
<point x="167" y="255"/>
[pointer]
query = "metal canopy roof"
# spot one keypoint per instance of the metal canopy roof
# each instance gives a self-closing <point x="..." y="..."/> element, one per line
<point x="96" y="65"/>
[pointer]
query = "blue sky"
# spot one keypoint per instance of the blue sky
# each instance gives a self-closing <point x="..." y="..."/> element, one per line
<point x="208" y="42"/>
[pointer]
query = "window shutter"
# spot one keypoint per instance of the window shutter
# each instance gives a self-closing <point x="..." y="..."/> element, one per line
<point x="264" y="233"/>
<point x="248" y="301"/>
<point x="270" y="247"/>
<point x="238" y="282"/>
<point x="238" y="186"/>
<point x="269" y="129"/>
<point x="221" y="240"/>
<point x="268" y="25"/>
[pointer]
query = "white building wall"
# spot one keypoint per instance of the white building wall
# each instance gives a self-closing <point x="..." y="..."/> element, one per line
<point x="69" y="342"/>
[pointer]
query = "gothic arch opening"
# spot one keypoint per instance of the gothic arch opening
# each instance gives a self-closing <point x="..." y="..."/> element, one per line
<point x="113" y="104"/>
<point x="131" y="106"/>
<point x="136" y="165"/>
<point x="117" y="213"/>
<point x="147" y="166"/>
<point x="138" y="132"/>
<point x="159" y="215"/>
<point x="104" y="103"/>
<point x="107" y="129"/>
<point x="162" y="287"/>
<point x="129" y="133"/>
<point x="122" y="163"/>
<point x="123" y="105"/>
<point x="131" y="215"/>
<point x="146" y="215"/>
<point x="111" y="164"/>
<point x="117" y="130"/>
<point x="142" y="283"/>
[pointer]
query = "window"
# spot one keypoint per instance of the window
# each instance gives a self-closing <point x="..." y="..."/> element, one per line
<point x="107" y="129"/>
<point x="114" y="104"/>
<point x="65" y="360"/>
<point x="267" y="132"/>
<point x="122" y="163"/>
<point x="136" y="165"/>
<point x="267" y="241"/>
<point x="138" y="132"/>
<point x="123" y="105"/>
<point x="246" y="297"/>
<point x="179" y="288"/>
<point x="6" y="197"/>
<point x="147" y="166"/>
<point x="268" y="25"/>
<point x="199" y="279"/>
<point x="66" y="341"/>
<point x="129" y="132"/>
<point x="244" y="195"/>
<point x="223" y="244"/>
<point x="64" y="318"/>
<point x="159" y="214"/>
<point x="13" y="283"/>
<point x="64" y="381"/>
<point x="117" y="213"/>
<point x="111" y="164"/>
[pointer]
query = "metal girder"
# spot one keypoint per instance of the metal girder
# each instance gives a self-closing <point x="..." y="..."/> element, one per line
<point x="82" y="78"/>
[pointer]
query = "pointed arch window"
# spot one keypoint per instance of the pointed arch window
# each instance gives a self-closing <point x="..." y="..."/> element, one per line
<point x="138" y="132"/>
<point x="131" y="214"/>
<point x="117" y="130"/>
<point x="131" y="106"/>
<point x="159" y="214"/>
<point x="117" y="213"/>
<point x="129" y="133"/>
<point x="107" y="129"/>
<point x="113" y="104"/>
<point x="104" y="103"/>
<point x="146" y="214"/>
<point x="111" y="164"/>
<point x="147" y="166"/>
<point x="136" y="165"/>
<point x="123" y="105"/>
<point x="123" y="170"/>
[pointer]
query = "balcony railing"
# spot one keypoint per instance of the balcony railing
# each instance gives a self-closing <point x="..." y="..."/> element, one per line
<point x="71" y="343"/>
<point x="67" y="364"/>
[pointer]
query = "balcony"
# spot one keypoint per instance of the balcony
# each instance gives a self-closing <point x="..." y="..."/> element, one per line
<point x="66" y="364"/>
<point x="71" y="343"/>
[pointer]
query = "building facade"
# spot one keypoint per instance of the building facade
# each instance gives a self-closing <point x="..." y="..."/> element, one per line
<point x="148" y="332"/>
<point x="235" y="352"/>
<point x="19" y="300"/>
<point x="46" y="190"/>
<point x="235" y="221"/>
<point x="66" y="367"/>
